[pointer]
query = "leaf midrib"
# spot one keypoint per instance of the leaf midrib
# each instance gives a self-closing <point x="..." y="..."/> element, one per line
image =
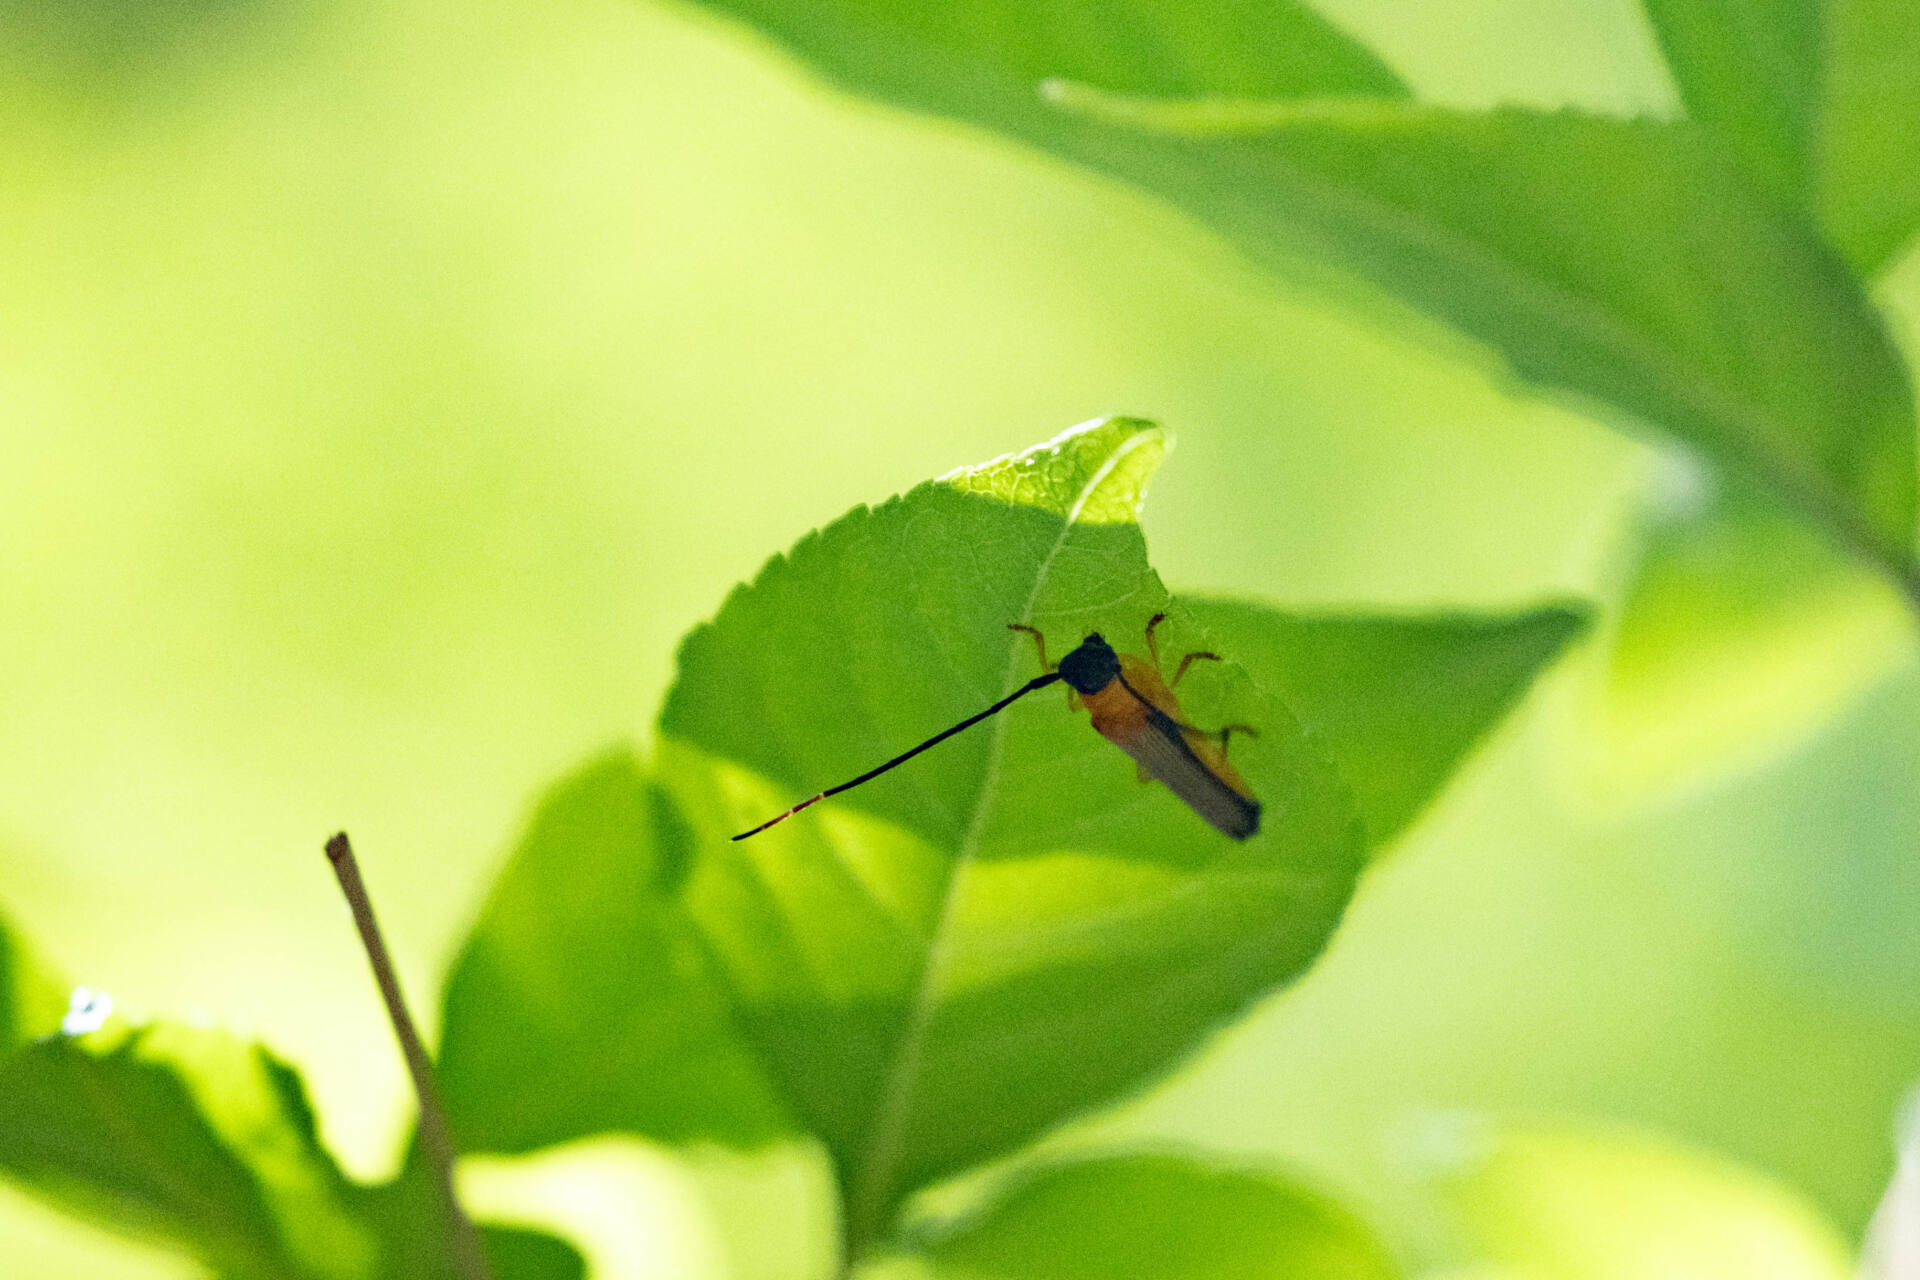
<point x="871" y="1188"/>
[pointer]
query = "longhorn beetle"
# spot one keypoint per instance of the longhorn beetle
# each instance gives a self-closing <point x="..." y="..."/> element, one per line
<point x="1131" y="706"/>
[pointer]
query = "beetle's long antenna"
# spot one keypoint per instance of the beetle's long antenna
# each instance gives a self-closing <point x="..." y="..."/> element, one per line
<point x="1038" y="682"/>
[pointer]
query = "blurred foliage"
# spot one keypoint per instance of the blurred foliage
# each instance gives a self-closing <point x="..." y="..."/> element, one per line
<point x="1751" y="73"/>
<point x="585" y="903"/>
<point x="1731" y="603"/>
<point x="1816" y="101"/>
<point x="1140" y="1216"/>
<point x="1569" y="1205"/>
<point x="980" y="61"/>
<point x="389" y="385"/>
<point x="194" y="1137"/>
<point x="31" y="999"/>
<point x="103" y="55"/>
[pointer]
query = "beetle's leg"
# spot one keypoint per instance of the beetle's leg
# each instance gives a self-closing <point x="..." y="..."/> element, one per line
<point x="1200" y="656"/>
<point x="1228" y="732"/>
<point x="1153" y="646"/>
<point x="1039" y="642"/>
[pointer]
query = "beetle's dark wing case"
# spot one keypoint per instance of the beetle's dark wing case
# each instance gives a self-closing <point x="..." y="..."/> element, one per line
<point x="1161" y="748"/>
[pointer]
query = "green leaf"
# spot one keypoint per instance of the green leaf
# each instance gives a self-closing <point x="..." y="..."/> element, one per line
<point x="31" y="1001"/>
<point x="1394" y="702"/>
<point x="1628" y="261"/>
<point x="188" y="1135"/>
<point x="1869" y="145"/>
<point x="985" y="62"/>
<point x="1820" y="102"/>
<point x="1011" y="929"/>
<point x="946" y="961"/>
<point x="1150" y="1217"/>
<point x="1632" y="262"/>
<point x="199" y="1139"/>
<point x="1565" y="1204"/>
<point x="1751" y="70"/>
<point x="581" y="1002"/>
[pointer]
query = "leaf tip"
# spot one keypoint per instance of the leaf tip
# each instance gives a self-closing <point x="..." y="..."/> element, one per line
<point x="1092" y="473"/>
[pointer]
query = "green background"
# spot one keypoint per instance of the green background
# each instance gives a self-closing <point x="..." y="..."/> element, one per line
<point x="385" y="388"/>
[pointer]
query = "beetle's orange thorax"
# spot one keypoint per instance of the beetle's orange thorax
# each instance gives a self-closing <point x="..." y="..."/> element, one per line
<point x="1116" y="713"/>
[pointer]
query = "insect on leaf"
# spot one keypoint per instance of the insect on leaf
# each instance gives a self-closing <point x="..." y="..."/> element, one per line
<point x="1011" y="928"/>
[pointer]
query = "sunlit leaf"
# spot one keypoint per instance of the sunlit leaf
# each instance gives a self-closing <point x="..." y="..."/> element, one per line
<point x="198" y="1139"/>
<point x="1012" y="928"/>
<point x="581" y="1002"/>
<point x="1148" y="1217"/>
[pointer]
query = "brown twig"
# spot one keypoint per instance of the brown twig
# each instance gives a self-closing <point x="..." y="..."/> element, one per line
<point x="435" y="1141"/>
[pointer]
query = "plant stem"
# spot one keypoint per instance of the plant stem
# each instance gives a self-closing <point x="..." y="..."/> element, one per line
<point x="435" y="1140"/>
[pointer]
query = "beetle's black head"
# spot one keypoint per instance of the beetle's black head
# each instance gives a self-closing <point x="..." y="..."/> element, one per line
<point x="1091" y="667"/>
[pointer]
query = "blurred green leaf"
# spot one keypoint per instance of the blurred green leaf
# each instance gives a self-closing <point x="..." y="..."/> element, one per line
<point x="31" y="1000"/>
<point x="1574" y="1205"/>
<point x="1394" y="702"/>
<point x="199" y="1139"/>
<point x="581" y="1001"/>
<point x="411" y="1216"/>
<point x="1819" y="102"/>
<point x="514" y="1254"/>
<point x="1012" y="928"/>
<point x="1633" y="262"/>
<point x="1869" y="143"/>
<point x="1148" y="1217"/>
<point x="1740" y="630"/>
<point x="1751" y="70"/>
